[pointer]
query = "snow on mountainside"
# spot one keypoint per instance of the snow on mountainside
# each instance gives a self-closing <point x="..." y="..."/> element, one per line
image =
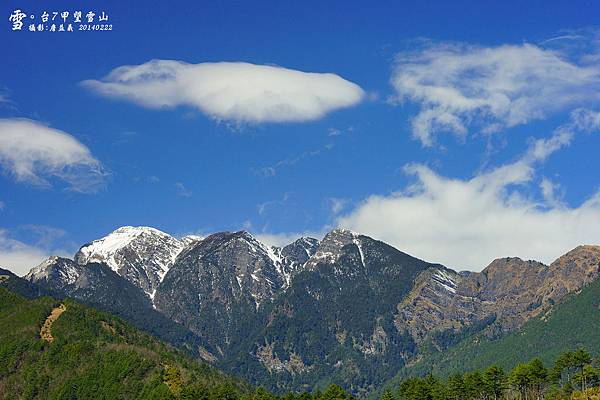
<point x="298" y="253"/>
<point x="61" y="270"/>
<point x="190" y="240"/>
<point x="217" y="286"/>
<point x="142" y="255"/>
<point x="330" y="248"/>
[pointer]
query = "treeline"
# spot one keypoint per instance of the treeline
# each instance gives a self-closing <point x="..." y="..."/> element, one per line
<point x="573" y="375"/>
<point x="333" y="392"/>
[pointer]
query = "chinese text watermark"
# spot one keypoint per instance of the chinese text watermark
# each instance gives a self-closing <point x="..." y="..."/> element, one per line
<point x="60" y="21"/>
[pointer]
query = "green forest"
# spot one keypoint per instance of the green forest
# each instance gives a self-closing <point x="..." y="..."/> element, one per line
<point x="573" y="375"/>
<point x="94" y="355"/>
<point x="88" y="354"/>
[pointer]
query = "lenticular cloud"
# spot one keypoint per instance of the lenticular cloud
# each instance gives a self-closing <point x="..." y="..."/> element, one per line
<point x="231" y="91"/>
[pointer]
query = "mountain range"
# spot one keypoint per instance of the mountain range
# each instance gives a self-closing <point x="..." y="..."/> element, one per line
<point x="346" y="309"/>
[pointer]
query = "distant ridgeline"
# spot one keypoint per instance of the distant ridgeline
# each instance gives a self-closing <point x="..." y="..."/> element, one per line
<point x="346" y="310"/>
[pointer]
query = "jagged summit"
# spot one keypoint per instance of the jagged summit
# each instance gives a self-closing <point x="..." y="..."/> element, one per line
<point x="301" y="250"/>
<point x="62" y="270"/>
<point x="141" y="254"/>
<point x="330" y="248"/>
<point x="190" y="240"/>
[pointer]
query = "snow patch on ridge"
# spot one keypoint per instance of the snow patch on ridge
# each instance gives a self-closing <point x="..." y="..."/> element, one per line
<point x="356" y="241"/>
<point x="443" y="279"/>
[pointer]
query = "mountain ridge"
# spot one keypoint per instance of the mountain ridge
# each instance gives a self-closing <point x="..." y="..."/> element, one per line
<point x="346" y="308"/>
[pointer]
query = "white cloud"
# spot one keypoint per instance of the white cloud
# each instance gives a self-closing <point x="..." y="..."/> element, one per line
<point x="232" y="91"/>
<point x="459" y="86"/>
<point x="586" y="120"/>
<point x="33" y="153"/>
<point x="467" y="223"/>
<point x="18" y="256"/>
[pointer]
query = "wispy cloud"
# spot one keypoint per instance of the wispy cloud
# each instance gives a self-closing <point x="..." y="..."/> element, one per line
<point x="182" y="191"/>
<point x="332" y="132"/>
<point x="272" y="170"/>
<point x="4" y="97"/>
<point x="262" y="208"/>
<point x="34" y="153"/>
<point x="460" y="86"/>
<point x="337" y="205"/>
<point x="231" y="91"/>
<point x="46" y="235"/>
<point x="467" y="223"/>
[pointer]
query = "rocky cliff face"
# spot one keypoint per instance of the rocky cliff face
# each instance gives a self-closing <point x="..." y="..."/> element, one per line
<point x="506" y="294"/>
<point x="296" y="254"/>
<point x="94" y="283"/>
<point x="300" y="251"/>
<point x="142" y="255"/>
<point x="217" y="286"/>
<point x="336" y="317"/>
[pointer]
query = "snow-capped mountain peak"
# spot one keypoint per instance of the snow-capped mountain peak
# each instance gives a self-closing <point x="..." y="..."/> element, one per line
<point x="60" y="269"/>
<point x="141" y="254"/>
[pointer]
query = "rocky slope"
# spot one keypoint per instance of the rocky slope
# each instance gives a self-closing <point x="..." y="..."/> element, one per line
<point x="142" y="255"/>
<point x="217" y="286"/>
<point x="506" y="294"/>
<point x="569" y="324"/>
<point x="336" y="317"/>
<point x="98" y="285"/>
<point x="10" y="281"/>
<point x="93" y="282"/>
<point x="347" y="308"/>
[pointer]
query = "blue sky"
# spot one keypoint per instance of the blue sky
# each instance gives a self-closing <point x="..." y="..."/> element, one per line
<point x="194" y="167"/>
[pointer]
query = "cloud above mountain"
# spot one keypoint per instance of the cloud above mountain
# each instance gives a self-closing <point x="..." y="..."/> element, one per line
<point x="18" y="256"/>
<point x="231" y="91"/>
<point x="460" y="88"/>
<point x="466" y="223"/>
<point x="35" y="153"/>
